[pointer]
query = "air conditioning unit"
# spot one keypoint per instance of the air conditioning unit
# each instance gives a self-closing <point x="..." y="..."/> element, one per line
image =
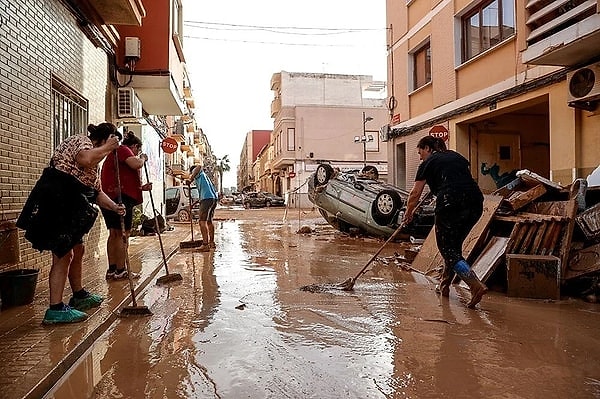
<point x="584" y="87"/>
<point x="128" y="103"/>
<point x="385" y="133"/>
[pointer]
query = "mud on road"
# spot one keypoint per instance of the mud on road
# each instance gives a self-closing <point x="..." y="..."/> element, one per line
<point x="238" y="326"/>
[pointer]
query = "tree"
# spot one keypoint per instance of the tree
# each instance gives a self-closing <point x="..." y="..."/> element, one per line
<point x="222" y="167"/>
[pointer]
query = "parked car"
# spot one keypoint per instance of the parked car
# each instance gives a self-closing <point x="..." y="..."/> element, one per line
<point x="177" y="203"/>
<point x="273" y="199"/>
<point x="262" y="199"/>
<point x="353" y="200"/>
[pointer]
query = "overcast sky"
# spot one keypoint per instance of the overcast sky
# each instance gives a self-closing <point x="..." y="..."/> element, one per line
<point x="233" y="47"/>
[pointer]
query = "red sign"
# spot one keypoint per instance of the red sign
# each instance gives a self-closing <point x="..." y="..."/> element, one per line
<point x="292" y="175"/>
<point x="395" y="119"/>
<point x="169" y="145"/>
<point x="439" y="132"/>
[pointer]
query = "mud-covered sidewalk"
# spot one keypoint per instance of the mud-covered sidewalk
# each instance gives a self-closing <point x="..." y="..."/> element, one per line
<point x="239" y="326"/>
<point x="33" y="357"/>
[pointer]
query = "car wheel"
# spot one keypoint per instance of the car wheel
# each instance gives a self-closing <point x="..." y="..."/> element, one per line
<point x="386" y="205"/>
<point x="323" y="174"/>
<point x="183" y="216"/>
<point x="268" y="204"/>
<point x="247" y="205"/>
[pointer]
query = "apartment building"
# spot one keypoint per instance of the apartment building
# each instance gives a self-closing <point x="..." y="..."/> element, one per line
<point x="511" y="85"/>
<point x="323" y="118"/>
<point x="65" y="64"/>
<point x="254" y="143"/>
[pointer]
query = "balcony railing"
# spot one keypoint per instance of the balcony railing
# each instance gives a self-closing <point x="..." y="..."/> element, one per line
<point x="562" y="32"/>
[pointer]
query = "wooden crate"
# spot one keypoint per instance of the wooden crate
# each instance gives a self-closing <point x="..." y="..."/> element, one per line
<point x="533" y="276"/>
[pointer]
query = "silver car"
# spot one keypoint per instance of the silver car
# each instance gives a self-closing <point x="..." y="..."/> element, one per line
<point x="352" y="200"/>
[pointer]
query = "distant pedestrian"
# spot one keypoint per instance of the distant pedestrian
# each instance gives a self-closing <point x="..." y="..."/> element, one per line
<point x="130" y="161"/>
<point x="459" y="204"/>
<point x="59" y="212"/>
<point x="208" y="203"/>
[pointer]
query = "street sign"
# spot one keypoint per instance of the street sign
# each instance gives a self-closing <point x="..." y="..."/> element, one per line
<point x="169" y="145"/>
<point x="292" y="175"/>
<point x="439" y="132"/>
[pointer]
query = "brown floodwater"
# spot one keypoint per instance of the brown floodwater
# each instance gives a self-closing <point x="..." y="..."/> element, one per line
<point x="238" y="326"/>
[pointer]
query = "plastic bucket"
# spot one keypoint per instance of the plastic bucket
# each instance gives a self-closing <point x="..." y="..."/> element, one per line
<point x="17" y="287"/>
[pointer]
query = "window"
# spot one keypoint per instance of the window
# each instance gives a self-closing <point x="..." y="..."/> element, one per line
<point x="486" y="26"/>
<point x="69" y="112"/>
<point x="422" y="66"/>
<point x="291" y="139"/>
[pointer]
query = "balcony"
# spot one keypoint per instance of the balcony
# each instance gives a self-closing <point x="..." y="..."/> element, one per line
<point x="159" y="94"/>
<point x="275" y="107"/>
<point x="562" y="32"/>
<point x="176" y="169"/>
<point x="120" y="12"/>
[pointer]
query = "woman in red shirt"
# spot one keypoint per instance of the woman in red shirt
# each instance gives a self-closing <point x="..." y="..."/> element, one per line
<point x="130" y="161"/>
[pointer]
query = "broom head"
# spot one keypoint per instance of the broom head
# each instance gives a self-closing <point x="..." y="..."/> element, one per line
<point x="135" y="311"/>
<point x="169" y="278"/>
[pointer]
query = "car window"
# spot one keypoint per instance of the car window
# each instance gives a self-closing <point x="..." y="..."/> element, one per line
<point x="171" y="193"/>
<point x="195" y="193"/>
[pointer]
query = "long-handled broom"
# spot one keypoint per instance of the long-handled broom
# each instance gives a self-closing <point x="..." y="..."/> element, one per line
<point x="193" y="243"/>
<point x="168" y="277"/>
<point x="135" y="309"/>
<point x="348" y="285"/>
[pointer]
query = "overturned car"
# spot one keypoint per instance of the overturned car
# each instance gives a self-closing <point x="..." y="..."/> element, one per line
<point x="353" y="200"/>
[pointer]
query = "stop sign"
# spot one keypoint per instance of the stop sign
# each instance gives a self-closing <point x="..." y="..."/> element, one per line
<point x="440" y="132"/>
<point x="169" y="145"/>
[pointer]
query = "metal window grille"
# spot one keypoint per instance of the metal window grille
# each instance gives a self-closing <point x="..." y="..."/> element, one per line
<point x="69" y="112"/>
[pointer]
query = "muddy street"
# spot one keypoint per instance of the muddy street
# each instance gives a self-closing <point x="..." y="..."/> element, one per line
<point x="238" y="326"/>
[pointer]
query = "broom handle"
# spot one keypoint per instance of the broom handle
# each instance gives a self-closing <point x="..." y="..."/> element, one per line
<point x="394" y="234"/>
<point x="123" y="235"/>
<point x="156" y="226"/>
<point x="191" y="214"/>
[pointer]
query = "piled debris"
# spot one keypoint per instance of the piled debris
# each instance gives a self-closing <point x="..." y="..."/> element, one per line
<point x="535" y="239"/>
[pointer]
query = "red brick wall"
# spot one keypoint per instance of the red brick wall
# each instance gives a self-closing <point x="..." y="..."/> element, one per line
<point x="39" y="40"/>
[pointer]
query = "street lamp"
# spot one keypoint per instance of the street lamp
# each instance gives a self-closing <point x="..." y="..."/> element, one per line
<point x="364" y="138"/>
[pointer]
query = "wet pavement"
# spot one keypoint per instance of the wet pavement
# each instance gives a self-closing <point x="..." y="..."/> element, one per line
<point x="238" y="326"/>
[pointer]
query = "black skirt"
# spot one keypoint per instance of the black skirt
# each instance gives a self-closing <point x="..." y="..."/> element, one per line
<point x="58" y="212"/>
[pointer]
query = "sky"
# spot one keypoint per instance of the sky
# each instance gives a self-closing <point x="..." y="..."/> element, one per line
<point x="233" y="48"/>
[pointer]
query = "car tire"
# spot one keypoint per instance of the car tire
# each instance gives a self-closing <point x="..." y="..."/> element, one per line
<point x="247" y="205"/>
<point x="183" y="216"/>
<point x="268" y="204"/>
<point x="323" y="174"/>
<point x="386" y="205"/>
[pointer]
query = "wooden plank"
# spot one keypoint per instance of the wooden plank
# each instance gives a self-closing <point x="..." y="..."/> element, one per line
<point x="519" y="238"/>
<point x="555" y="237"/>
<point x="539" y="236"/>
<point x="584" y="261"/>
<point x="490" y="257"/>
<point x="533" y="227"/>
<point x="565" y="245"/>
<point x="520" y="200"/>
<point x="528" y="217"/>
<point x="513" y="234"/>
<point x="429" y="257"/>
<point x="550" y="233"/>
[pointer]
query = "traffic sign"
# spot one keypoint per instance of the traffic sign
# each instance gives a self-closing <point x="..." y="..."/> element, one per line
<point x="440" y="132"/>
<point x="169" y="145"/>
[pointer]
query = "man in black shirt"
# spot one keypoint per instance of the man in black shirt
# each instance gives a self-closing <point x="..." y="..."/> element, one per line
<point x="459" y="204"/>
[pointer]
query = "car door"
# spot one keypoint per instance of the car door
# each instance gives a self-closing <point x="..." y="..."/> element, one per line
<point x="171" y="200"/>
<point x="355" y="199"/>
